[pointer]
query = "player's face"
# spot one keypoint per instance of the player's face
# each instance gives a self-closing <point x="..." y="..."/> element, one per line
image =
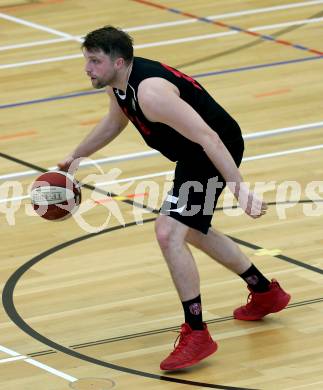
<point x="100" y="68"/>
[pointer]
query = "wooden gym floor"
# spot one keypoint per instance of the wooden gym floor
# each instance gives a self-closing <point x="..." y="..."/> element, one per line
<point x="88" y="303"/>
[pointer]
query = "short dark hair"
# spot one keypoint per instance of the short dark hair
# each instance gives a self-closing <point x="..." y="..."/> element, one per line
<point x="112" y="41"/>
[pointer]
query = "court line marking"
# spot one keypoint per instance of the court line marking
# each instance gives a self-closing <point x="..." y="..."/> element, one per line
<point x="151" y="153"/>
<point x="79" y="38"/>
<point x="31" y="361"/>
<point x="43" y="61"/>
<point x="172" y="42"/>
<point x="17" y="356"/>
<point x="38" y="27"/>
<point x="245" y="159"/>
<point x="51" y="370"/>
<point x="34" y="43"/>
<point x="173" y="328"/>
<point x="9" y="137"/>
<point x="227" y="15"/>
<point x="9" y="306"/>
<point x="166" y="173"/>
<point x="13" y="359"/>
<point x="9" y="351"/>
<point x="272" y="93"/>
<point x="168" y="24"/>
<point x="232" y="32"/>
<point x="247" y="31"/>
<point x="201" y="75"/>
<point x="29" y="5"/>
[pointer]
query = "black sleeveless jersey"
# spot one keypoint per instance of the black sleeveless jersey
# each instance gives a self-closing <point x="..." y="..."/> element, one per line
<point x="161" y="137"/>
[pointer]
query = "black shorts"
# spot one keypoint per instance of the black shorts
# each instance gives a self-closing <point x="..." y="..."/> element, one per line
<point x="196" y="189"/>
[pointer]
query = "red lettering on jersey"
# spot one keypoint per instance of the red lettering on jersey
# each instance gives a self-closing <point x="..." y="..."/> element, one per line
<point x="177" y="73"/>
<point x="143" y="128"/>
<point x="134" y="119"/>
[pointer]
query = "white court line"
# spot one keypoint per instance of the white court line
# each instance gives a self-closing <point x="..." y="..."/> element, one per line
<point x="227" y="15"/>
<point x="134" y="178"/>
<point x="9" y="351"/>
<point x="51" y="370"/>
<point x="227" y="33"/>
<point x="18" y="356"/>
<point x="152" y="26"/>
<point x="13" y="359"/>
<point x="43" y="61"/>
<point x="150" y="153"/>
<point x="283" y="153"/>
<point x="38" y="26"/>
<point x="35" y="43"/>
<point x="176" y="23"/>
<point x="246" y="159"/>
<point x="289" y="129"/>
<point x="168" y="42"/>
<point x="166" y="173"/>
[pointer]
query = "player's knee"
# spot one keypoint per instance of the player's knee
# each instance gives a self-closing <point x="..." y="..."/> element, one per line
<point x="163" y="231"/>
<point x="167" y="233"/>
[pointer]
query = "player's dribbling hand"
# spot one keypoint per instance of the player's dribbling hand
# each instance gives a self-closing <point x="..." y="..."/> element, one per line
<point x="252" y="204"/>
<point x="256" y="206"/>
<point x="69" y="164"/>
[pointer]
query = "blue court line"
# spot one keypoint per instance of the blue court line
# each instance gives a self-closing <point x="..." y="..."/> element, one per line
<point x="50" y="99"/>
<point x="228" y="26"/>
<point x="252" y="67"/>
<point x="200" y="75"/>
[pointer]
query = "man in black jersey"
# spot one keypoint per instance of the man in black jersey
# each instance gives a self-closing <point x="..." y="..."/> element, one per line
<point x="176" y="115"/>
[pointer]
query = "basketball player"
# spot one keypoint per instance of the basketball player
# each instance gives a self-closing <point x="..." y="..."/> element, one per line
<point x="176" y="115"/>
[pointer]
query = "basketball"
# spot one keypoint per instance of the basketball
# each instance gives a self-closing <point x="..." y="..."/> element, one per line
<point x="55" y="196"/>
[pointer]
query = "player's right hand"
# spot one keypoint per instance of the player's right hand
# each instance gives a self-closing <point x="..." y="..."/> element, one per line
<point x="252" y="204"/>
<point x="69" y="164"/>
<point x="255" y="206"/>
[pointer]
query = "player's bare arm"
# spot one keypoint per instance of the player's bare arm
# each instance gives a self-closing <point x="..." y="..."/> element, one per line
<point x="103" y="133"/>
<point x="160" y="102"/>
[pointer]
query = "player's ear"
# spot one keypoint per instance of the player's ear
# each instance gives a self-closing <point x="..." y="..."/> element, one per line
<point x="119" y="62"/>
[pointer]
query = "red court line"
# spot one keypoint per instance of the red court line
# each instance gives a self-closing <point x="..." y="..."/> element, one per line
<point x="28" y="6"/>
<point x="152" y="4"/>
<point x="271" y="93"/>
<point x="253" y="33"/>
<point x="89" y="122"/>
<point x="225" y="25"/>
<point x="315" y="51"/>
<point x="17" y="135"/>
